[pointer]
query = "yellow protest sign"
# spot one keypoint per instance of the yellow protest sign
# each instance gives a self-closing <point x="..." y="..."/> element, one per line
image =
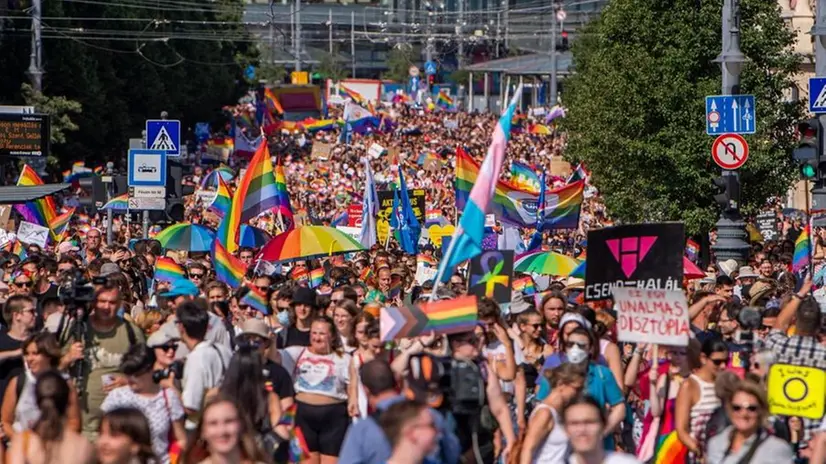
<point x="385" y="210"/>
<point x="437" y="233"/>
<point x="797" y="391"/>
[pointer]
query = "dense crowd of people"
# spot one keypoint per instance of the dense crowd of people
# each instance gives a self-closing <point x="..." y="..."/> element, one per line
<point x="100" y="362"/>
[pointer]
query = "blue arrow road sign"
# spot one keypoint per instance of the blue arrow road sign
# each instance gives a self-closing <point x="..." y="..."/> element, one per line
<point x="817" y="94"/>
<point x="430" y="68"/>
<point x="164" y="134"/>
<point x="730" y="114"/>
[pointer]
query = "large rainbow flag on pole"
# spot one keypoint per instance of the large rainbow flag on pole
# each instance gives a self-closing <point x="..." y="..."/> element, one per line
<point x="517" y="207"/>
<point x="467" y="240"/>
<point x="285" y="211"/>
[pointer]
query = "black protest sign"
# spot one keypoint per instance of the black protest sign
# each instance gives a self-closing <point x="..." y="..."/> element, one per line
<point x="385" y="209"/>
<point x="769" y="225"/>
<point x="491" y="275"/>
<point x="646" y="256"/>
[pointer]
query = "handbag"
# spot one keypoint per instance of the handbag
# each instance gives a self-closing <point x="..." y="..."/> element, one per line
<point x="174" y="448"/>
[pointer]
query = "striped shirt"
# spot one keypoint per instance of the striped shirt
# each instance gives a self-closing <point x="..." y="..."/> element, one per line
<point x="701" y="412"/>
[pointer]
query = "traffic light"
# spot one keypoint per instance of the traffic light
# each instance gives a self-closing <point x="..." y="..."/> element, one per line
<point x="729" y="196"/>
<point x="93" y="195"/>
<point x="564" y="45"/>
<point x="809" y="150"/>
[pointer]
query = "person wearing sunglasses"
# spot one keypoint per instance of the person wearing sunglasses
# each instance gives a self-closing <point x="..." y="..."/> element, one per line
<point x="21" y="283"/>
<point x="745" y="441"/>
<point x="161" y="406"/>
<point x="534" y="349"/>
<point x="197" y="274"/>
<point x="697" y="400"/>
<point x="164" y="343"/>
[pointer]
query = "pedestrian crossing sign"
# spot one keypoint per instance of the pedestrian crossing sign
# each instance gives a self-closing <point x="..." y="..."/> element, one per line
<point x="164" y="135"/>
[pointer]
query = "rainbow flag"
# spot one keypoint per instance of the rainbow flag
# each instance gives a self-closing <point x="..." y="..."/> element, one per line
<point x="670" y="450"/>
<point x="524" y="177"/>
<point x="299" y="451"/>
<point x="316" y="277"/>
<point x="444" y="101"/>
<point x="41" y="211"/>
<point x="20" y="250"/>
<point x="256" y="194"/>
<point x="223" y="198"/>
<point x="524" y="285"/>
<point x="60" y="223"/>
<point x="119" y="203"/>
<point x="428" y="260"/>
<point x="167" y="270"/>
<point x="300" y="274"/>
<point x="802" y="251"/>
<point x="355" y="96"/>
<point x="539" y="129"/>
<point x="283" y="196"/>
<point x="518" y="207"/>
<point x="228" y="269"/>
<point x="450" y="316"/>
<point x="366" y="274"/>
<point x="315" y="125"/>
<point x="692" y="250"/>
<point x="257" y="300"/>
<point x="272" y="101"/>
<point x="221" y="142"/>
<point x="467" y="240"/>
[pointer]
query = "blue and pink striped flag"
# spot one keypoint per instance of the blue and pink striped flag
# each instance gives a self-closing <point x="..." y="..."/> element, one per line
<point x="467" y="240"/>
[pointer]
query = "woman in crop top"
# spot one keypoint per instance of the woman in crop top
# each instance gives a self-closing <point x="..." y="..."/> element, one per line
<point x="321" y="373"/>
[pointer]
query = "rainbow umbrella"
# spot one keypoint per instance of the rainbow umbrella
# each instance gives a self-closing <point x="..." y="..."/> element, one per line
<point x="308" y="242"/>
<point x="545" y="263"/>
<point x="225" y="172"/>
<point x="253" y="237"/>
<point x="189" y="237"/>
<point x="579" y="271"/>
<point x="119" y="203"/>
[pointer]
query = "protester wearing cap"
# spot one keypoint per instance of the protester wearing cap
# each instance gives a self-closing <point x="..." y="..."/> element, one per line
<point x="303" y="309"/>
<point x="365" y="442"/>
<point x="183" y="290"/>
<point x="165" y="343"/>
<point x="256" y="335"/>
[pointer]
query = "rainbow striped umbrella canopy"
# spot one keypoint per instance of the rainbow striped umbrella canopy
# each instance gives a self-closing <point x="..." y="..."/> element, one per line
<point x="545" y="263"/>
<point x="252" y="237"/>
<point x="308" y="242"/>
<point x="189" y="237"/>
<point x="119" y="203"/>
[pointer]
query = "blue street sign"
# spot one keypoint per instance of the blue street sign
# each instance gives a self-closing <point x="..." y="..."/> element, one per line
<point x="430" y="68"/>
<point x="817" y="94"/>
<point x="730" y="114"/>
<point x="163" y="134"/>
<point x="147" y="168"/>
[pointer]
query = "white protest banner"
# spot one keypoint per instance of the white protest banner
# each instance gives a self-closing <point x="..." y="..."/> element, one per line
<point x="425" y="273"/>
<point x="375" y="151"/>
<point x="651" y="316"/>
<point x="354" y="232"/>
<point x="33" y="234"/>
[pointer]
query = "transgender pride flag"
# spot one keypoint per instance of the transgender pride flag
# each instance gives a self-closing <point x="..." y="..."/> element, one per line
<point x="467" y="239"/>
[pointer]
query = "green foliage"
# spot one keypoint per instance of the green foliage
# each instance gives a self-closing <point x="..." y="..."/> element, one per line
<point x="60" y="110"/>
<point x="460" y="76"/>
<point x="636" y="107"/>
<point x="399" y="61"/>
<point x="331" y="67"/>
<point x="128" y="64"/>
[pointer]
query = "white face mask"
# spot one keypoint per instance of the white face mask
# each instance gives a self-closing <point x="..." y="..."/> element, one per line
<point x="576" y="354"/>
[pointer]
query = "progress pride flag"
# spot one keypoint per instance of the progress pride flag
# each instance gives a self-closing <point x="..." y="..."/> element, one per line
<point x="651" y="316"/>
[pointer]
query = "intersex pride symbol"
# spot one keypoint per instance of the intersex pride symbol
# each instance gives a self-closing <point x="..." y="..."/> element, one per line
<point x="492" y="264"/>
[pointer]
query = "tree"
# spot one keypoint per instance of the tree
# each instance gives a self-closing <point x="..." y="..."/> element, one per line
<point x="59" y="109"/>
<point x="330" y="67"/>
<point x="399" y="60"/>
<point x="636" y="107"/>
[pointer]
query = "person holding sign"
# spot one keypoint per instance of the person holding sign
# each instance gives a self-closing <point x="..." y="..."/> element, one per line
<point x="745" y="441"/>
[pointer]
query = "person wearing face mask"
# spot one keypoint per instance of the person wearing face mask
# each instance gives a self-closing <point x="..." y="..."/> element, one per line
<point x="599" y="381"/>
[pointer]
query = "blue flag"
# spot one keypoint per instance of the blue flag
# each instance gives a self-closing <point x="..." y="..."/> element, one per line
<point x="404" y="220"/>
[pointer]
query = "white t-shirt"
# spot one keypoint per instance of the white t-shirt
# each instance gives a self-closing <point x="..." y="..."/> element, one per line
<point x="204" y="369"/>
<point x="496" y="350"/>
<point x="321" y="374"/>
<point x="160" y="411"/>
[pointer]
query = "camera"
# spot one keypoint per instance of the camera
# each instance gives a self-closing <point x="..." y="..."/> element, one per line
<point x="750" y="319"/>
<point x="176" y="367"/>
<point x="75" y="289"/>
